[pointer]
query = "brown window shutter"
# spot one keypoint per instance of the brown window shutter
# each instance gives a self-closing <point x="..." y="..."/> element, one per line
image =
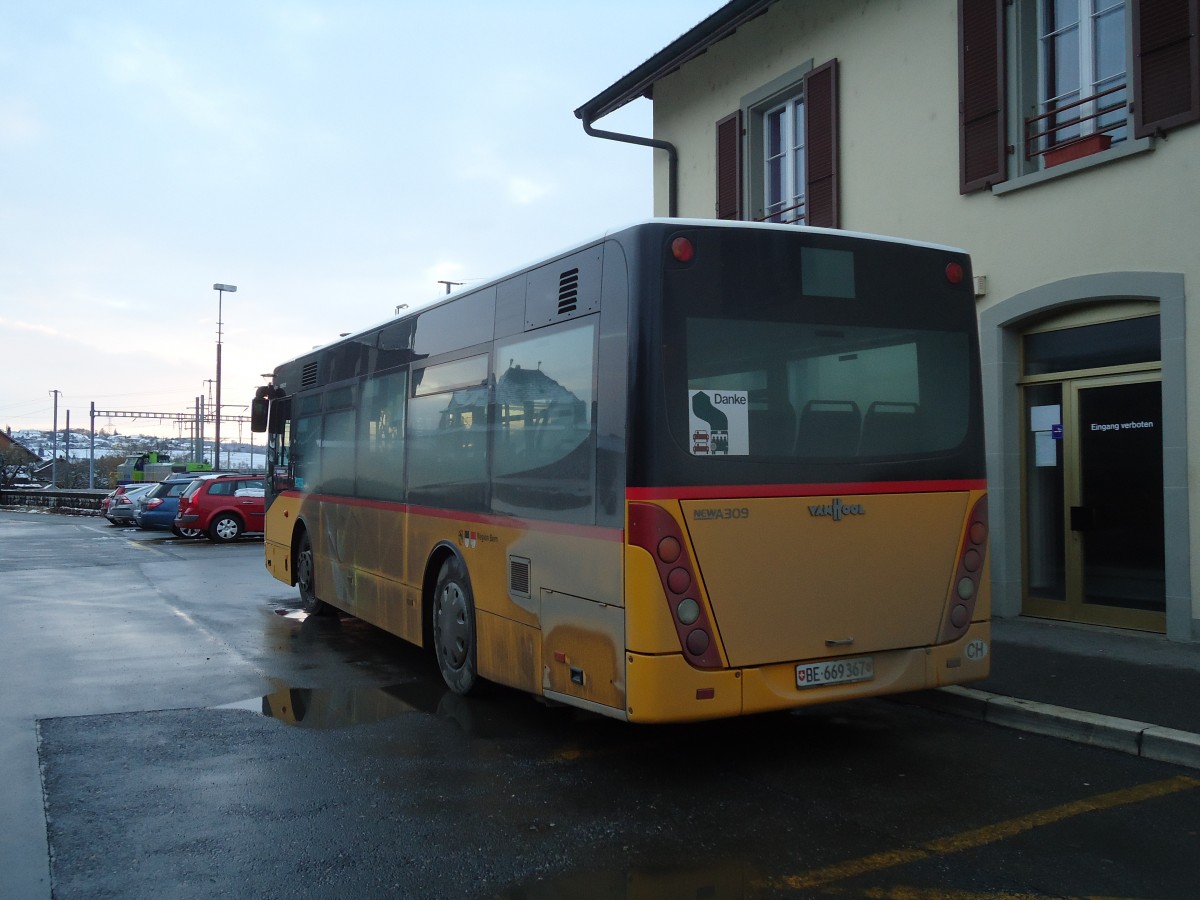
<point x="729" y="167"/>
<point x="981" y="138"/>
<point x="821" y="146"/>
<point x="1166" y="64"/>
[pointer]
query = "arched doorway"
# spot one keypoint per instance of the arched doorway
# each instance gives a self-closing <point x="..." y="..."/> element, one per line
<point x="1031" y="574"/>
<point x="1092" y="471"/>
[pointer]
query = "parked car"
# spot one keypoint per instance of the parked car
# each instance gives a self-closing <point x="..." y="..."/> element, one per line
<point x="223" y="506"/>
<point x="122" y="507"/>
<point x="109" y="499"/>
<point x="157" y="508"/>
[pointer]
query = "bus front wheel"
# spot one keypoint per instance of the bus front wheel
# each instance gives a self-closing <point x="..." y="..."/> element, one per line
<point x="453" y="616"/>
<point x="305" y="581"/>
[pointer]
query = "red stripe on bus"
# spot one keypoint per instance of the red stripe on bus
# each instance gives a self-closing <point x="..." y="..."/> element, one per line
<point x="750" y="491"/>
<point x="596" y="532"/>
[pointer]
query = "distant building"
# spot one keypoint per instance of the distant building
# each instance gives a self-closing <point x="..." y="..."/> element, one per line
<point x="21" y="455"/>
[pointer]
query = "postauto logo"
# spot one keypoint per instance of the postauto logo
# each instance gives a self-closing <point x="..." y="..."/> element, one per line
<point x="836" y="510"/>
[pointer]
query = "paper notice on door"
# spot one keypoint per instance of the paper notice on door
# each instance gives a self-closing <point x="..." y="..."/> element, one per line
<point x="1043" y="418"/>
<point x="1043" y="421"/>
<point x="1045" y="449"/>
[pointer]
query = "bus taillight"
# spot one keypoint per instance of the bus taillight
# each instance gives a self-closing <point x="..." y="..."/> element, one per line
<point x="654" y="530"/>
<point x="967" y="575"/>
<point x="683" y="249"/>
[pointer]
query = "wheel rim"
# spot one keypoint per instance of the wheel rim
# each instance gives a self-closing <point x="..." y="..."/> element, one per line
<point x="304" y="573"/>
<point x="190" y="532"/>
<point x="226" y="529"/>
<point x="451" y="631"/>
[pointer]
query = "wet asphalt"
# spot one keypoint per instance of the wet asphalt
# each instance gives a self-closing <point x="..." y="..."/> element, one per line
<point x="172" y="727"/>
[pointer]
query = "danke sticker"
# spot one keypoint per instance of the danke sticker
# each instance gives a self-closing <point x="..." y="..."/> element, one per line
<point x="720" y="423"/>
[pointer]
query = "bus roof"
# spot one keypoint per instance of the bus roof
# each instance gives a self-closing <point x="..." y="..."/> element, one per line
<point x="615" y="232"/>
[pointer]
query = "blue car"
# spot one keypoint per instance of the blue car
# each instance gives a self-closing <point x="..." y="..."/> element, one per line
<point x="157" y="507"/>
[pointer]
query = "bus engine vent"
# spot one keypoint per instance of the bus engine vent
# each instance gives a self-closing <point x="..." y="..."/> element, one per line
<point x="568" y="291"/>
<point x="518" y="576"/>
<point x="308" y="377"/>
<point x="564" y="289"/>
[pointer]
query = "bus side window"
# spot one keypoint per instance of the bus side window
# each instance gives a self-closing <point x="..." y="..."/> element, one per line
<point x="381" y="438"/>
<point x="447" y="435"/>
<point x="544" y="451"/>
<point x="306" y="460"/>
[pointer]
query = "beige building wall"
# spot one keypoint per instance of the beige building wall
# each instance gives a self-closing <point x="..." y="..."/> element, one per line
<point x="898" y="98"/>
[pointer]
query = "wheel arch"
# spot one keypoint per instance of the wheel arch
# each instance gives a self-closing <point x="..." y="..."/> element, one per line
<point x="442" y="551"/>
<point x="299" y="530"/>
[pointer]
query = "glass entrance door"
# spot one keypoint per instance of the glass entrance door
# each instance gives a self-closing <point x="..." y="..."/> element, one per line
<point x="1094" y="501"/>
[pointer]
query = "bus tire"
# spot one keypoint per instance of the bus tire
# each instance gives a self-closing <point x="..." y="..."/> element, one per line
<point x="305" y="580"/>
<point x="453" y="620"/>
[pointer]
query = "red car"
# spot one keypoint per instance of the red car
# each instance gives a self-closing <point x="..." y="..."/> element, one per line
<point x="224" y="507"/>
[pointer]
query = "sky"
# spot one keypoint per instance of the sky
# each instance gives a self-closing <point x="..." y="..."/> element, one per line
<point x="331" y="159"/>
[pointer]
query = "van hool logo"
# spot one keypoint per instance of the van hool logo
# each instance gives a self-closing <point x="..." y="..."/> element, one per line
<point x="836" y="510"/>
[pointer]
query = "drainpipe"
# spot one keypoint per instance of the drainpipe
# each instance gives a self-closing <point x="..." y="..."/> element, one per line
<point x="672" y="156"/>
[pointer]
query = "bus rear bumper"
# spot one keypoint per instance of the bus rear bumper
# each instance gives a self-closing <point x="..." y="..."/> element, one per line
<point x="668" y="689"/>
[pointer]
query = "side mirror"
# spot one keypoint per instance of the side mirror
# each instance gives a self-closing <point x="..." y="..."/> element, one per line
<point x="281" y="412"/>
<point x="259" y="407"/>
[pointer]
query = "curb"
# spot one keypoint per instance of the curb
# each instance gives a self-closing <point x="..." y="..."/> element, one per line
<point x="1169" y="745"/>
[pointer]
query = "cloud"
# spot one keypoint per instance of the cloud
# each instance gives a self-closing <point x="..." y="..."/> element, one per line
<point x="18" y="123"/>
<point x="149" y="71"/>
<point x="524" y="191"/>
<point x="36" y="328"/>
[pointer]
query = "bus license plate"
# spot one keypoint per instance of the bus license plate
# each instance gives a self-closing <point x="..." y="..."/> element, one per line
<point x="835" y="671"/>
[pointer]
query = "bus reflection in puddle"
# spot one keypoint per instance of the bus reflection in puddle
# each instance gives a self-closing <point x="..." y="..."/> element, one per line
<point x="346" y="707"/>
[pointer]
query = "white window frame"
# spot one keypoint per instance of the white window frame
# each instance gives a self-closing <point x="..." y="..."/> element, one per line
<point x="1089" y="81"/>
<point x="783" y="186"/>
<point x="778" y="94"/>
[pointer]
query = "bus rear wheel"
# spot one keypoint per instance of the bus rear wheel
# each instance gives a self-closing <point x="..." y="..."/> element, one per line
<point x="309" y="602"/>
<point x="453" y="615"/>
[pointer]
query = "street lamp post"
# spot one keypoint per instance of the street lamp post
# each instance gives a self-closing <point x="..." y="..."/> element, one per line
<point x="220" y="289"/>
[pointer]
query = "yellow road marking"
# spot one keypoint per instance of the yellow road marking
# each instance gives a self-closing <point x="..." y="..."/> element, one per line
<point x="980" y="837"/>
<point x="917" y="893"/>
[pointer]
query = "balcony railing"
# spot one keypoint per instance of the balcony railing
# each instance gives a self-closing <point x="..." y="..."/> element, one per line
<point x="1045" y="133"/>
<point x="781" y="215"/>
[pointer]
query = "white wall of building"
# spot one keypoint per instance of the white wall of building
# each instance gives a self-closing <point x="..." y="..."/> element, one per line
<point x="898" y="97"/>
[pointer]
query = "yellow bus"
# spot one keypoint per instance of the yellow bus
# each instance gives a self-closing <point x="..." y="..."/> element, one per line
<point x="687" y="470"/>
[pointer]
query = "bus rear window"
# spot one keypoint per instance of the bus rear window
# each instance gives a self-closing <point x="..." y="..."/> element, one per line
<point x="788" y="389"/>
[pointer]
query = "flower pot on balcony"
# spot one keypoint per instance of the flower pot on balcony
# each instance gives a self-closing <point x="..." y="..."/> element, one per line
<point x="1077" y="149"/>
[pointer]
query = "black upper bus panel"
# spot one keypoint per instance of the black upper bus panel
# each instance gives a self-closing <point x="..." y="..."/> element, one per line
<point x="564" y="289"/>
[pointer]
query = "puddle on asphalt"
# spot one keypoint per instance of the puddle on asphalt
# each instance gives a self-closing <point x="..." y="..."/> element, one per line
<point x="347" y="707"/>
<point x="342" y="707"/>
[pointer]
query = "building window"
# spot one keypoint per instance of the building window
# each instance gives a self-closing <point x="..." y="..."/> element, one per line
<point x="1081" y="80"/>
<point x="787" y="132"/>
<point x="1066" y="72"/>
<point x="783" y="168"/>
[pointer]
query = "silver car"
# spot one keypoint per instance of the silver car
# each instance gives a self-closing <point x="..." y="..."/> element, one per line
<point x="122" y="508"/>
